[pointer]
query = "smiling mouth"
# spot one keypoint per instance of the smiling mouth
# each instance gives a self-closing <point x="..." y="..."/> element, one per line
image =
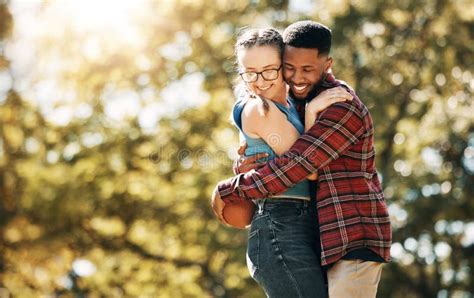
<point x="299" y="88"/>
<point x="264" y="88"/>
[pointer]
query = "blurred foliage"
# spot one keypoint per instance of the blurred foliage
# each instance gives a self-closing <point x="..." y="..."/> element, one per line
<point x="131" y="205"/>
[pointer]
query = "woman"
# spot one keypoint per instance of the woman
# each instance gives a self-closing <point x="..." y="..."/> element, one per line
<point x="283" y="247"/>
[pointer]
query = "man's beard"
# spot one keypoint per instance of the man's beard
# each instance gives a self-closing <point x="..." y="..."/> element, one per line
<point x="313" y="92"/>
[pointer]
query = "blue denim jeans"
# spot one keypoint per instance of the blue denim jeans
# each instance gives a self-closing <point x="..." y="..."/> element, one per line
<point x="283" y="253"/>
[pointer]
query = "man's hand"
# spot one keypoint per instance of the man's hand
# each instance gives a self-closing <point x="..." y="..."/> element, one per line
<point x="244" y="164"/>
<point x="218" y="205"/>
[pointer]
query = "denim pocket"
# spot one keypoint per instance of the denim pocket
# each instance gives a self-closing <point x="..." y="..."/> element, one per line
<point x="253" y="252"/>
<point x="282" y="215"/>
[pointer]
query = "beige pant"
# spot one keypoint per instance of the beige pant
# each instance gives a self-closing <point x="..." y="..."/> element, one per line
<point x="354" y="278"/>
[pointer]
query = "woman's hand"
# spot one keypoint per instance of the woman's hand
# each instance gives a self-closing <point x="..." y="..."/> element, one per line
<point x="327" y="98"/>
<point x="322" y="101"/>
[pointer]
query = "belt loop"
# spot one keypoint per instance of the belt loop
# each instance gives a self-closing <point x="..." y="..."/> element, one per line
<point x="261" y="204"/>
<point x="305" y="206"/>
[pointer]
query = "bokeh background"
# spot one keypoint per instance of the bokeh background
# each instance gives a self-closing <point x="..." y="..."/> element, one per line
<point x="114" y="129"/>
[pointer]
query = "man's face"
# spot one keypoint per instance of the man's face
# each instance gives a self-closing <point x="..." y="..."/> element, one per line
<point x="303" y="70"/>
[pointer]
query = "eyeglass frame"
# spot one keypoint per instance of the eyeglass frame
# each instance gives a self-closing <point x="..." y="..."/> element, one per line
<point x="261" y="74"/>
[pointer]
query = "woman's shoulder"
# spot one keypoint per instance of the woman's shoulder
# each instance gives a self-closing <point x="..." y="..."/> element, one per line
<point x="253" y="107"/>
<point x="259" y="109"/>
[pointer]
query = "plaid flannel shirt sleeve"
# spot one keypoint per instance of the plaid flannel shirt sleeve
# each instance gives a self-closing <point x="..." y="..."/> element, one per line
<point x="235" y="167"/>
<point x="335" y="130"/>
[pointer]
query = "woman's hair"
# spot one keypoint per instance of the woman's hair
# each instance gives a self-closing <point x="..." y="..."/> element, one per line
<point x="251" y="37"/>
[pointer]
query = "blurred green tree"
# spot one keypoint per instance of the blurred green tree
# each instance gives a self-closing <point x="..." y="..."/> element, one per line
<point x="100" y="205"/>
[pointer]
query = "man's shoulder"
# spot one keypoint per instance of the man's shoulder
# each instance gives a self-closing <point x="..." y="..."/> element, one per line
<point x="345" y="85"/>
<point x="357" y="103"/>
<point x="349" y="88"/>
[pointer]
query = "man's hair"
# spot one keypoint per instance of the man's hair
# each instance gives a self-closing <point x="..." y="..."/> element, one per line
<point x="308" y="34"/>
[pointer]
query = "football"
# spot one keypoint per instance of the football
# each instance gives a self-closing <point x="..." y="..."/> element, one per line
<point x="239" y="215"/>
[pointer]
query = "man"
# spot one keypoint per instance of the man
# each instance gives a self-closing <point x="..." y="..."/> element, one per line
<point x="354" y="225"/>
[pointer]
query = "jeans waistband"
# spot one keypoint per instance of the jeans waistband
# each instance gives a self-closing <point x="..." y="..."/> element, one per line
<point x="275" y="203"/>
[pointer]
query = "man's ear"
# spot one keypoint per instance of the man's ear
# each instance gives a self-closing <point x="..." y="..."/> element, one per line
<point x="328" y="64"/>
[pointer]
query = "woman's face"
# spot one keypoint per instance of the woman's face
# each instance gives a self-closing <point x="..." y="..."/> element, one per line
<point x="263" y="58"/>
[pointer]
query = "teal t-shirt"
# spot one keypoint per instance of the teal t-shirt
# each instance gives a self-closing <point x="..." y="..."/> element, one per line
<point x="258" y="145"/>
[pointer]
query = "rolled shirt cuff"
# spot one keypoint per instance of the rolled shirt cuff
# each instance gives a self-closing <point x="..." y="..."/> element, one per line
<point x="226" y="190"/>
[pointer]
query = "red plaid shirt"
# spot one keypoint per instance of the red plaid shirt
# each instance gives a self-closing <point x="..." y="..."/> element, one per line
<point x="352" y="211"/>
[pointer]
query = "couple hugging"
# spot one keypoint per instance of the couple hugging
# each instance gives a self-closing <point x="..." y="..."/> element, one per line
<point x="321" y="226"/>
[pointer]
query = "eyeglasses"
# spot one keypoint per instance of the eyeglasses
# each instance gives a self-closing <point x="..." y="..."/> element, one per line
<point x="267" y="75"/>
